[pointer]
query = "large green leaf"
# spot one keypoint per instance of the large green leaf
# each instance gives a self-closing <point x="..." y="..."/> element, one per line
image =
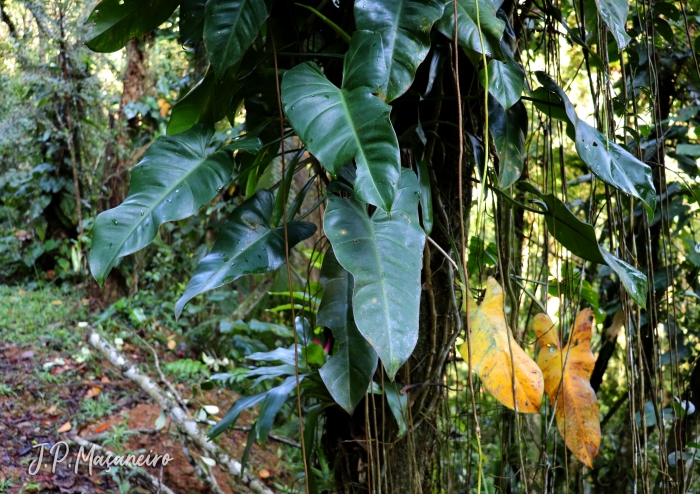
<point x="468" y="31"/>
<point x="634" y="281"/>
<point x="349" y="371"/>
<point x="191" y="21"/>
<point x="383" y="253"/>
<point x="614" y="14"/>
<point x="207" y="102"/>
<point x="398" y="404"/>
<point x="364" y="65"/>
<point x="245" y="245"/>
<point x="404" y="26"/>
<point x="338" y="125"/>
<point x="114" y="22"/>
<point x="506" y="81"/>
<point x="576" y="235"/>
<point x="607" y="160"/>
<point x="508" y="129"/>
<point x="579" y="238"/>
<point x="274" y="399"/>
<point x="175" y="178"/>
<point x="234" y="412"/>
<point x="230" y="27"/>
<point x="507" y="78"/>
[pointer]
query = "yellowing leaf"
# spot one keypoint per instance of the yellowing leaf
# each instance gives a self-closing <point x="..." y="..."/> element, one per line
<point x="65" y="427"/>
<point x="492" y="343"/>
<point x="57" y="302"/>
<point x="576" y="403"/>
<point x="92" y="392"/>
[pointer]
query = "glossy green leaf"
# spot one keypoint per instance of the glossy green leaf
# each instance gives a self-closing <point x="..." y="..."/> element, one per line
<point x="607" y="160"/>
<point x="426" y="196"/>
<point x="506" y="81"/>
<point x="398" y="404"/>
<point x="549" y="104"/>
<point x="234" y="412"/>
<point x="271" y="404"/>
<point x="579" y="238"/>
<point x="338" y="125"/>
<point x="245" y="245"/>
<point x="468" y="31"/>
<point x="294" y="207"/>
<point x="173" y="181"/>
<point x="364" y="65"/>
<point x="614" y="14"/>
<point x="349" y="371"/>
<point x="230" y="27"/>
<point x="191" y="21"/>
<point x="404" y="26"/>
<point x="634" y="281"/>
<point x="576" y="235"/>
<point x="508" y="129"/>
<point x="383" y="253"/>
<point x="208" y="102"/>
<point x="114" y="22"/>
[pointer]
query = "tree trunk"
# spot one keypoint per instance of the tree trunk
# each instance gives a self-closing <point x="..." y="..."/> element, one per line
<point x="117" y="161"/>
<point x="403" y="464"/>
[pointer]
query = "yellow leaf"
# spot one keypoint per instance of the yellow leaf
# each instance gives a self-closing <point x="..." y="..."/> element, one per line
<point x="57" y="302"/>
<point x="163" y="107"/>
<point x="65" y="427"/>
<point x="172" y="344"/>
<point x="492" y="343"/>
<point x="576" y="403"/>
<point x="92" y="392"/>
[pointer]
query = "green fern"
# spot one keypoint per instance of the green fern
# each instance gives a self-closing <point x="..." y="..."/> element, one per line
<point x="186" y="368"/>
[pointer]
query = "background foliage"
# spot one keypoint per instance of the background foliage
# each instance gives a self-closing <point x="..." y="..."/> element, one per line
<point x="262" y="178"/>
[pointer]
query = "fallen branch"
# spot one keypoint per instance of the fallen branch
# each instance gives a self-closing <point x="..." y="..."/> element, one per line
<point x="181" y="420"/>
<point x="156" y="483"/>
<point x="208" y="476"/>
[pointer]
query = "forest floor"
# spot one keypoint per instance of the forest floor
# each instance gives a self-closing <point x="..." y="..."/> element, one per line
<point x="53" y="386"/>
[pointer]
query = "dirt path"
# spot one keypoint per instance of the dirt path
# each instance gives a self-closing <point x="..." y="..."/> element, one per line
<point x="50" y="390"/>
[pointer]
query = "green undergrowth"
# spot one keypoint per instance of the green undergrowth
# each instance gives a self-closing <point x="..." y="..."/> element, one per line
<point x="47" y="315"/>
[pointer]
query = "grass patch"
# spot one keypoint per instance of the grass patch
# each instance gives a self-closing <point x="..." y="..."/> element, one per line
<point x="46" y="314"/>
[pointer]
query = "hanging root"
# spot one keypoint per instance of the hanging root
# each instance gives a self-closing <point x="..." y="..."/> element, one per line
<point x="180" y="419"/>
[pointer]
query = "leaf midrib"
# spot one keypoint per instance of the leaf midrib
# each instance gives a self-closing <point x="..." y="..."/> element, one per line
<point x="160" y="200"/>
<point x="360" y="149"/>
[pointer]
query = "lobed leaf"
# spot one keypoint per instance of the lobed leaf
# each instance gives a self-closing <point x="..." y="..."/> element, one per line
<point x="467" y="28"/>
<point x="404" y="26"/>
<point x="245" y="245"/>
<point x="614" y="14"/>
<point x="115" y="22"/>
<point x="607" y="160"/>
<point x="173" y="181"/>
<point x="508" y="129"/>
<point x="349" y="371"/>
<point x="339" y="125"/>
<point x="230" y="27"/>
<point x="516" y="382"/>
<point x="579" y="238"/>
<point x="383" y="253"/>
<point x="567" y="373"/>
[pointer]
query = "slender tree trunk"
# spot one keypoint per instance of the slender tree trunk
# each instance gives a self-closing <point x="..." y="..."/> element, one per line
<point x="115" y="174"/>
<point x="393" y="464"/>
